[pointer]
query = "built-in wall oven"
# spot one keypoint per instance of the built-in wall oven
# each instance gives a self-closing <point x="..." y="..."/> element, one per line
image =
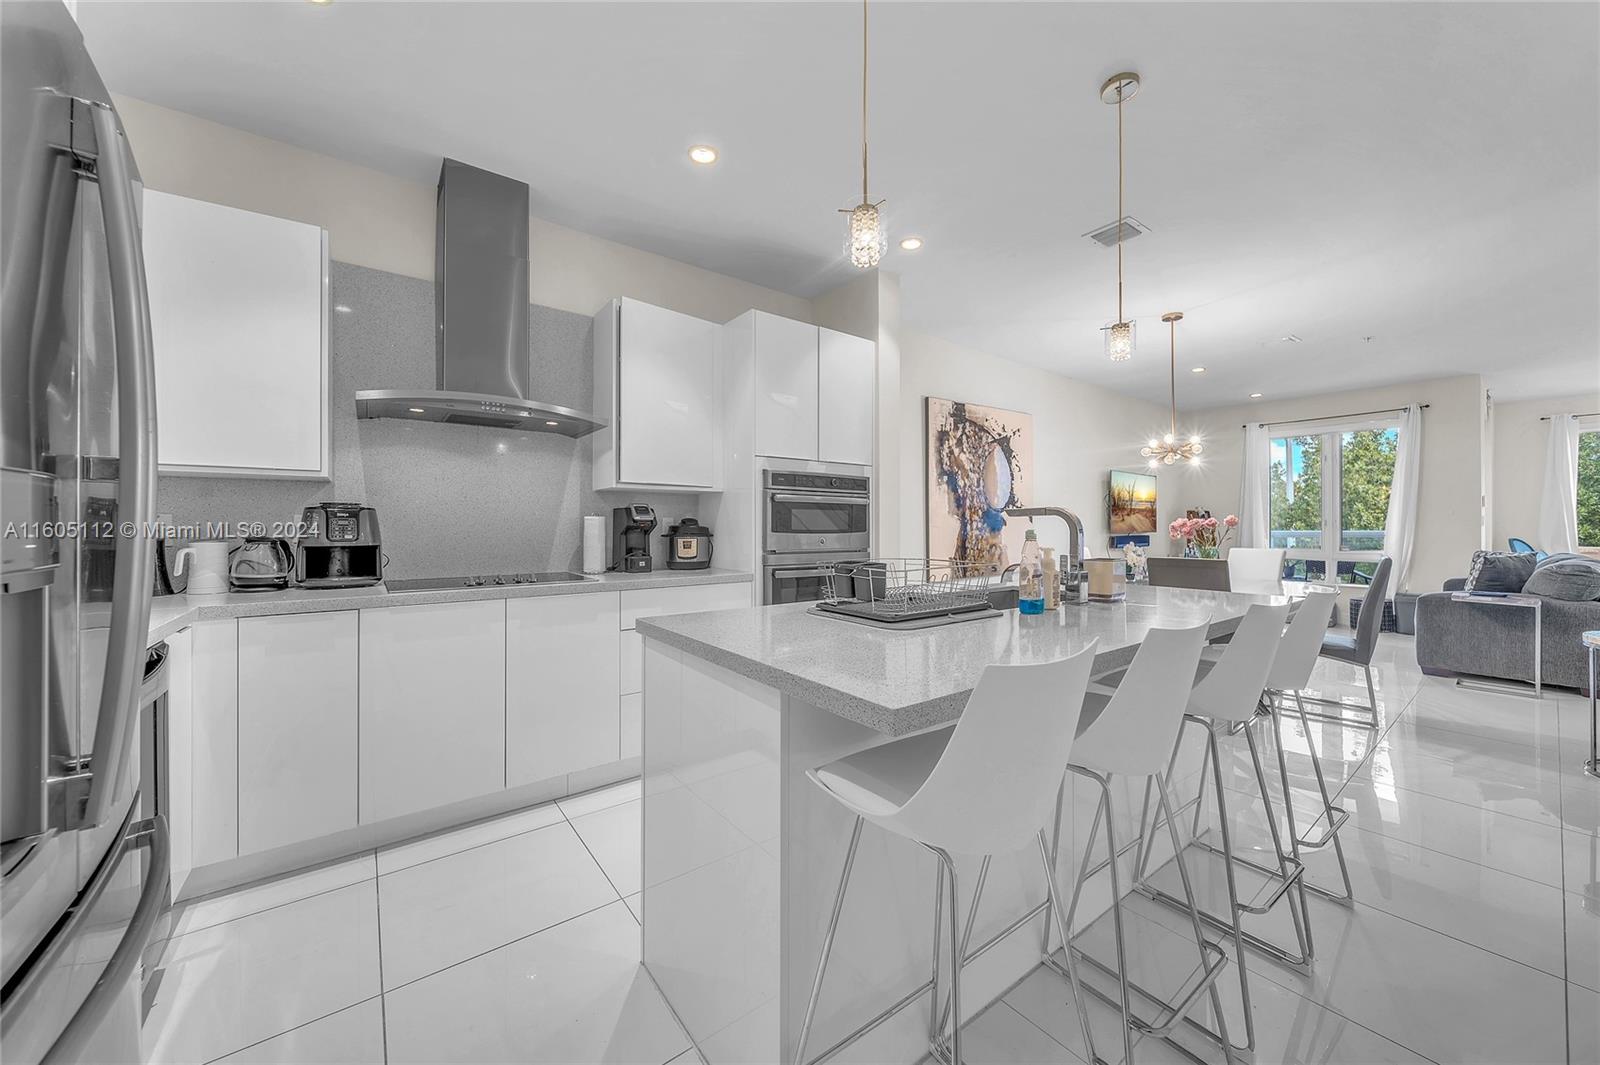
<point x="810" y="520"/>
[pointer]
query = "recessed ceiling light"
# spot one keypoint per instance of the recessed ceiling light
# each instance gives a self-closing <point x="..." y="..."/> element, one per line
<point x="321" y="3"/>
<point x="1255" y="395"/>
<point x="1290" y="338"/>
<point x="911" y="244"/>
<point x="341" y="308"/>
<point x="552" y="424"/>
<point x="1197" y="369"/>
<point x="703" y="154"/>
<point x="414" y="410"/>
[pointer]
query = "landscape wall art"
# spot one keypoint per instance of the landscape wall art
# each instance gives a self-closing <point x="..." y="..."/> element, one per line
<point x="1133" y="502"/>
<point x="980" y="462"/>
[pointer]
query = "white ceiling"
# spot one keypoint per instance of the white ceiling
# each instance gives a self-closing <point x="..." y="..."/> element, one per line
<point x="1427" y="175"/>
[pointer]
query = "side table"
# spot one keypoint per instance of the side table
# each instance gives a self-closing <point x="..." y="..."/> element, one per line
<point x="1591" y="641"/>
<point x="1523" y="602"/>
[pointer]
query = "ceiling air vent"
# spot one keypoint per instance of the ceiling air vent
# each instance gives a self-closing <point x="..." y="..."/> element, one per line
<point x="1106" y="235"/>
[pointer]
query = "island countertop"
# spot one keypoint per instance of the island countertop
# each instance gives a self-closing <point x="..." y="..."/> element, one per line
<point x="902" y="682"/>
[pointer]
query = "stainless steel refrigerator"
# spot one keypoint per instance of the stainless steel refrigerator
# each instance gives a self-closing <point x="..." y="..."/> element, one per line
<point x="83" y="880"/>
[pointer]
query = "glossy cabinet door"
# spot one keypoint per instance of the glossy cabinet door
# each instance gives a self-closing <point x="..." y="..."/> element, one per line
<point x="214" y="736"/>
<point x="786" y="387"/>
<point x="297" y="727"/>
<point x="846" y="377"/>
<point x="180" y="751"/>
<point x="648" y="602"/>
<point x="666" y="428"/>
<point x="561" y="685"/>
<point x="239" y="320"/>
<point x="433" y="706"/>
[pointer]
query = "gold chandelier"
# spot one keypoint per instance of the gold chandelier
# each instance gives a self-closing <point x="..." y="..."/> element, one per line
<point x="1169" y="449"/>
<point x="866" y="238"/>
<point x="1120" y="334"/>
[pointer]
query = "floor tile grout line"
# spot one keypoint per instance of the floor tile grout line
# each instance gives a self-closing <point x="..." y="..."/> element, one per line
<point x="296" y="1028"/>
<point x="383" y="1004"/>
<point x="508" y="943"/>
<point x="609" y="882"/>
<point x="1030" y="1022"/>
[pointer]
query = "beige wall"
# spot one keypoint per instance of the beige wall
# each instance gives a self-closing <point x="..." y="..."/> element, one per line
<point x="1520" y="439"/>
<point x="1450" y="510"/>
<point x="1080" y="433"/>
<point x="386" y="223"/>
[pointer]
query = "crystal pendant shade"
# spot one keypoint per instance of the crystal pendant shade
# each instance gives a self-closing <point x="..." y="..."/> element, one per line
<point x="867" y="239"/>
<point x="1119" y="341"/>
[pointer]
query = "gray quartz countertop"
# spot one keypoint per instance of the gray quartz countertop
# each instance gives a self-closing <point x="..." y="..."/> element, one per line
<point x="900" y="682"/>
<point x="170" y="613"/>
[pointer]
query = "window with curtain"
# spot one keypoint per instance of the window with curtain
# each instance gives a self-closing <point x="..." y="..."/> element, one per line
<point x="1589" y="490"/>
<point x="1328" y="498"/>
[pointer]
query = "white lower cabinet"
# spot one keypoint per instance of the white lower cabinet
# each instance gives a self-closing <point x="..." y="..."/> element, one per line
<point x="561" y="685"/>
<point x="433" y="706"/>
<point x="214" y="735"/>
<point x="180" y="753"/>
<point x="297" y="727"/>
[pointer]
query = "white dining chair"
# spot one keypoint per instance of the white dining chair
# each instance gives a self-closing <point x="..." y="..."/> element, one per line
<point x="1258" y="570"/>
<point x="1224" y="701"/>
<point x="1131" y="733"/>
<point x="988" y="785"/>
<point x="1291" y="672"/>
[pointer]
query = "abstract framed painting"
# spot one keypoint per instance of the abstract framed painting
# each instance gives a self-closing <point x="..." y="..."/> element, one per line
<point x="980" y="463"/>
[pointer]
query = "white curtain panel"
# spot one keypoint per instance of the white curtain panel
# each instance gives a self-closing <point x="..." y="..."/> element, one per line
<point x="1558" y="509"/>
<point x="1400" y="524"/>
<point x="1254" y="518"/>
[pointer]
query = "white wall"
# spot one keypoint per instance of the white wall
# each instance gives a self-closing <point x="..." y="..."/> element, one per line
<point x="1520" y="439"/>
<point x="387" y="223"/>
<point x="1449" y="521"/>
<point x="1080" y="433"/>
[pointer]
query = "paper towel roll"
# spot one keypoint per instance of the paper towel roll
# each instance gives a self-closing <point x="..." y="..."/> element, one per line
<point x="594" y="543"/>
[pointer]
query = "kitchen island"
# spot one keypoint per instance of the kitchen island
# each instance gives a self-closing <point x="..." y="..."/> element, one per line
<point x="742" y="853"/>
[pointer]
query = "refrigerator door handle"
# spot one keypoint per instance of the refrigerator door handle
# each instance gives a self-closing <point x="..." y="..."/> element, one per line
<point x="154" y="901"/>
<point x="136" y="489"/>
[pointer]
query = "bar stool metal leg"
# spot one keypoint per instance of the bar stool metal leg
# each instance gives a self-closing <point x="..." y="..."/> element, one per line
<point x="950" y="1050"/>
<point x="1371" y="722"/>
<point x="1336" y="815"/>
<point x="1212" y="959"/>
<point x="827" y="942"/>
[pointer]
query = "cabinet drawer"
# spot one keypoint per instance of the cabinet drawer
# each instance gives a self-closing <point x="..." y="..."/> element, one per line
<point x="648" y="602"/>
<point x="632" y="676"/>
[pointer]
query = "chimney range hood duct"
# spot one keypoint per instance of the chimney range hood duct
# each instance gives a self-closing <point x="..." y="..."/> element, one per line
<point x="481" y="309"/>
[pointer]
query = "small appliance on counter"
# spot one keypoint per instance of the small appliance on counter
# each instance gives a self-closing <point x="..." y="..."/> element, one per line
<point x="631" y="527"/>
<point x="341" y="547"/>
<point x="688" y="545"/>
<point x="261" y="564"/>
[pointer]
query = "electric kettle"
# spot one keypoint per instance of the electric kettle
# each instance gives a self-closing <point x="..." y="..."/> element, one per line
<point x="261" y="563"/>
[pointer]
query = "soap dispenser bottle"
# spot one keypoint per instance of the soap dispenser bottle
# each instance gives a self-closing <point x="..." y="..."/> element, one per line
<point x="1030" y="576"/>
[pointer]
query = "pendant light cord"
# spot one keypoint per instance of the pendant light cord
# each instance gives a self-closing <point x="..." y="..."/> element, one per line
<point x="864" y="198"/>
<point x="1172" y="376"/>
<point x="1120" y="318"/>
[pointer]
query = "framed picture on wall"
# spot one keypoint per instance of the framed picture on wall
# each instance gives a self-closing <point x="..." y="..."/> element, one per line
<point x="980" y="463"/>
<point x="1131" y="503"/>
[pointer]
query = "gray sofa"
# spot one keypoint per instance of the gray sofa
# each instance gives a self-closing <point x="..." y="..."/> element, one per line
<point x="1494" y="641"/>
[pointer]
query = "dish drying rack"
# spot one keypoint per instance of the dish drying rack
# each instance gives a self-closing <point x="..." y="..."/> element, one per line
<point x="906" y="591"/>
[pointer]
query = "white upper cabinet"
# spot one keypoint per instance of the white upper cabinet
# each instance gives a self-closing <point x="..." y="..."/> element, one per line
<point x="798" y="392"/>
<point x="846" y="378"/>
<point x="239" y="319"/>
<point x="786" y="387"/>
<point x="656" y="387"/>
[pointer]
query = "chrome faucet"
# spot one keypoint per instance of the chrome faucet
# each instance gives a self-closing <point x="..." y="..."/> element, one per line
<point x="1074" y="582"/>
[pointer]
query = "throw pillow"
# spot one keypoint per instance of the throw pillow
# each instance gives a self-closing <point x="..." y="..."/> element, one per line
<point x="1499" y="571"/>
<point x="1574" y="578"/>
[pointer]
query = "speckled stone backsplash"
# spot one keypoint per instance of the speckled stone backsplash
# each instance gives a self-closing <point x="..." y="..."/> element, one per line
<point x="451" y="499"/>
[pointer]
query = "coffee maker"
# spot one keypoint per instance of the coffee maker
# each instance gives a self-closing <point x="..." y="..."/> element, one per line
<point x="631" y="527"/>
<point x="340" y="547"/>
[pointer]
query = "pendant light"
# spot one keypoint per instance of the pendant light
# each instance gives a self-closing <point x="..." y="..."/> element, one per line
<point x="866" y="238"/>
<point x="1120" y="339"/>
<point x="1169" y="449"/>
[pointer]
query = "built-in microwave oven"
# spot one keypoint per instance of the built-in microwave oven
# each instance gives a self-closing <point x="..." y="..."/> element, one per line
<point x="802" y="578"/>
<point x="810" y="513"/>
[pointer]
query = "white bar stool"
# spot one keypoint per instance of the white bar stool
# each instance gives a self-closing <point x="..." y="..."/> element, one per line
<point x="1225" y="700"/>
<point x="1290" y="673"/>
<point x="986" y="786"/>
<point x="1257" y="570"/>
<point x="1135" y="729"/>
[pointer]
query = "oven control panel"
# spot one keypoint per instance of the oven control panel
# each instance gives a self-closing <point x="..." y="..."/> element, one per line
<point x="818" y="482"/>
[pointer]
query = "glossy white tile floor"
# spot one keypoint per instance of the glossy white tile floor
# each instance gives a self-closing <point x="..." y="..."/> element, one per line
<point x="1473" y="842"/>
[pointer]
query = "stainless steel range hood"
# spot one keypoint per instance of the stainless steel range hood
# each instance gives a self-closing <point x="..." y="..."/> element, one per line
<point x="481" y="309"/>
